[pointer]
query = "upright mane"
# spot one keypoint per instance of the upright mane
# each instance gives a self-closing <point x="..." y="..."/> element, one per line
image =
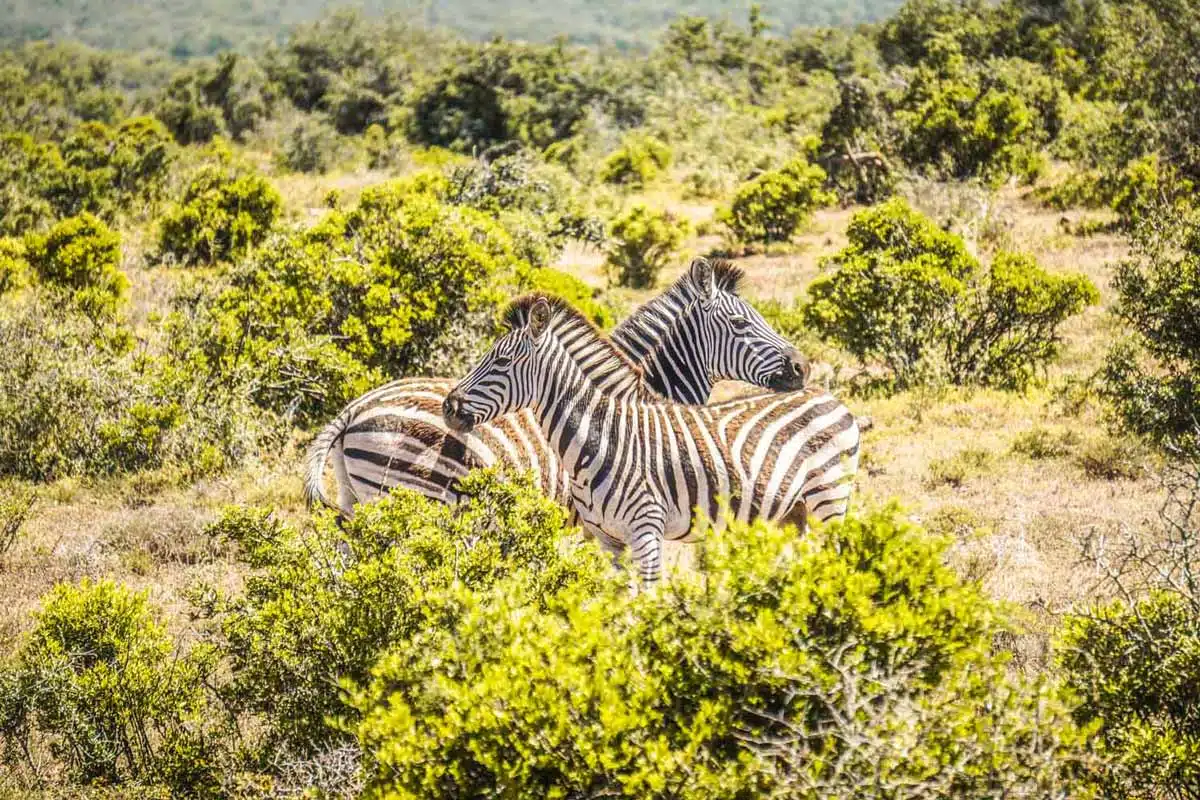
<point x="603" y="364"/>
<point x="729" y="278"/>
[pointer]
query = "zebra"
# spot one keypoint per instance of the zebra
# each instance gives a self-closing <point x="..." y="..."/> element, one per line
<point x="696" y="332"/>
<point x="639" y="464"/>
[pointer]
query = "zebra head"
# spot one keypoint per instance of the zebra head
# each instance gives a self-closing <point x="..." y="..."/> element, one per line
<point x="739" y="344"/>
<point x="505" y="379"/>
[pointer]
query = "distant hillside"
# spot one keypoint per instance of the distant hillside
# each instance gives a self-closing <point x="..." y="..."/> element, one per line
<point x="199" y="27"/>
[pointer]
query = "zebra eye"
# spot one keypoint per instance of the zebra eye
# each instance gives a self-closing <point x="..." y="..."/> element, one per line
<point x="502" y="361"/>
<point x="741" y="324"/>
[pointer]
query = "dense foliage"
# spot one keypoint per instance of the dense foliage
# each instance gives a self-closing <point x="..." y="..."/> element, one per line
<point x="909" y="295"/>
<point x="223" y="212"/>
<point x="319" y="316"/>
<point x="1153" y="377"/>
<point x="98" y="675"/>
<point x="641" y="243"/>
<point x="329" y="601"/>
<point x="773" y="206"/>
<point x="852" y="662"/>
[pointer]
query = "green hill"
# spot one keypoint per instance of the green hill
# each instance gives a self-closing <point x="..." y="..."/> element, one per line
<point x="199" y="28"/>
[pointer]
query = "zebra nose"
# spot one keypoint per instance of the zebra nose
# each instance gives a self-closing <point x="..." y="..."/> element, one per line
<point x="451" y="406"/>
<point x="799" y="365"/>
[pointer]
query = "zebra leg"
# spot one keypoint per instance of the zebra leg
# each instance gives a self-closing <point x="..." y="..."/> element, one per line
<point x="647" y="541"/>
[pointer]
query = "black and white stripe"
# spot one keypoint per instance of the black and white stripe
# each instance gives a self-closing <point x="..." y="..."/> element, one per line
<point x="697" y="332"/>
<point x="641" y="465"/>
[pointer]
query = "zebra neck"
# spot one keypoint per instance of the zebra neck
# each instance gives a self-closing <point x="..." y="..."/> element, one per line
<point x="661" y="340"/>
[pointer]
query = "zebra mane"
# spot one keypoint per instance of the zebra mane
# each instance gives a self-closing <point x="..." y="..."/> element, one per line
<point x="650" y="321"/>
<point x="729" y="278"/>
<point x="582" y="340"/>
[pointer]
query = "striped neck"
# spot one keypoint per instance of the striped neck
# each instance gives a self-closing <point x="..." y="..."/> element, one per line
<point x="576" y="340"/>
<point x="659" y="339"/>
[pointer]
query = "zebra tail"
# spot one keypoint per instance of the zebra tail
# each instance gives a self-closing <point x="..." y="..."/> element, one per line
<point x="318" y="454"/>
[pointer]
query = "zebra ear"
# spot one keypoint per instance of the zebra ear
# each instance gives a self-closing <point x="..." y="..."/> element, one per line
<point x="702" y="277"/>
<point x="539" y="318"/>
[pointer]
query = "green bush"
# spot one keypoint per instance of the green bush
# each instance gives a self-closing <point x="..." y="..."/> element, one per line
<point x="500" y="92"/>
<point x="310" y="146"/>
<point x="958" y="120"/>
<point x="561" y="284"/>
<point x="1041" y="443"/>
<point x="322" y="605"/>
<point x="100" y="678"/>
<point x="851" y="662"/>
<point x="107" y="170"/>
<point x="98" y="169"/>
<point x="316" y="318"/>
<point x="1152" y="377"/>
<point x="909" y="295"/>
<point x="1139" y="192"/>
<point x="1135" y="670"/>
<point x="14" y="269"/>
<point x="636" y="162"/>
<point x="75" y="401"/>
<point x="773" y="206"/>
<point x="229" y="96"/>
<point x="540" y="205"/>
<point x="81" y="255"/>
<point x="641" y="243"/>
<point x="957" y="469"/>
<point x="222" y="214"/>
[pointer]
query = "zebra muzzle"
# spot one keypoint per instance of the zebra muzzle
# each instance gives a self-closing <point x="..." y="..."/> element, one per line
<point x="455" y="415"/>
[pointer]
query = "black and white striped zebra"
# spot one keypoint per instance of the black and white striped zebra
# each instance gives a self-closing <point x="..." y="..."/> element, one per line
<point x="641" y="465"/>
<point x="695" y="333"/>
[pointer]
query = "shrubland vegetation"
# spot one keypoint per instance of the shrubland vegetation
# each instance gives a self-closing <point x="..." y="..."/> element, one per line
<point x="201" y="261"/>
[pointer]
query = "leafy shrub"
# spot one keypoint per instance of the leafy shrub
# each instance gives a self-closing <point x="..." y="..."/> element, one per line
<point x="540" y="205"/>
<point x="310" y="146"/>
<point x="106" y="170"/>
<point x="1108" y="458"/>
<point x="908" y="294"/>
<point x="316" y="318"/>
<point x="82" y="255"/>
<point x="957" y="469"/>
<point x="98" y="169"/>
<point x="1136" y="671"/>
<point x="27" y="169"/>
<point x="74" y="401"/>
<point x="323" y="604"/>
<point x="641" y="243"/>
<point x="1133" y="663"/>
<point x="383" y="150"/>
<point x="14" y="269"/>
<point x="773" y="206"/>
<point x="636" y="162"/>
<point x="1138" y="192"/>
<point x="500" y="92"/>
<point x="1152" y="378"/>
<point x="229" y="96"/>
<point x="960" y="121"/>
<point x="841" y="664"/>
<point x="222" y="214"/>
<point x="98" y="676"/>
